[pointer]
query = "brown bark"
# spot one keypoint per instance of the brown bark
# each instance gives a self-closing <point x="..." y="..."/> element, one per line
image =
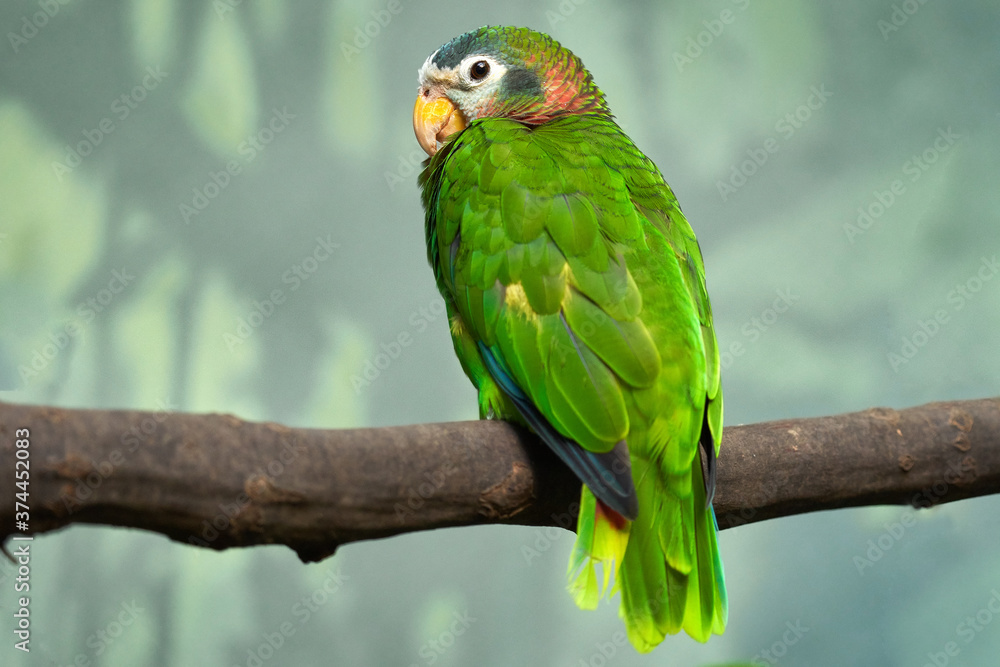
<point x="218" y="481"/>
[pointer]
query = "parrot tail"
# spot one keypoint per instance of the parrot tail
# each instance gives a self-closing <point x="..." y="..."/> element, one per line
<point x="666" y="562"/>
<point x="601" y="537"/>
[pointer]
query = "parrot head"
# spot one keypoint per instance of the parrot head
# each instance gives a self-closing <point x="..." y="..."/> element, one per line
<point x="496" y="72"/>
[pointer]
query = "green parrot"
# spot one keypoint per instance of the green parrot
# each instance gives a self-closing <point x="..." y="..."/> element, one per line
<point x="575" y="292"/>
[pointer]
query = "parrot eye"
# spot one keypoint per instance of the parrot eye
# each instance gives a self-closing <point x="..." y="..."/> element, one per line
<point x="479" y="70"/>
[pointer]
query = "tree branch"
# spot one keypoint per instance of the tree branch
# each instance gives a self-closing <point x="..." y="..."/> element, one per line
<point x="218" y="481"/>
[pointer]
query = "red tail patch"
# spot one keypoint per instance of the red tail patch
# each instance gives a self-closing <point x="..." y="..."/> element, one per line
<point x="613" y="517"/>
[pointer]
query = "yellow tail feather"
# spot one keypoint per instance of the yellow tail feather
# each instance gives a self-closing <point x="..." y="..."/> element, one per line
<point x="600" y="538"/>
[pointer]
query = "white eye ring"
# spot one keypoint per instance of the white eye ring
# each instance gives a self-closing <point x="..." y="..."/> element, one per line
<point x="493" y="70"/>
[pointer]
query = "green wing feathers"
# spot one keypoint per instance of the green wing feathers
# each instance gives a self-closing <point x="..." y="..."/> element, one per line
<point x="560" y="249"/>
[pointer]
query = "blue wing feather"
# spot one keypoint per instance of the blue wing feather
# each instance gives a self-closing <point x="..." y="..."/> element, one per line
<point x="608" y="475"/>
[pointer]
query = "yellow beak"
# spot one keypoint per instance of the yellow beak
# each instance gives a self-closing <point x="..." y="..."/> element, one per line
<point x="435" y="119"/>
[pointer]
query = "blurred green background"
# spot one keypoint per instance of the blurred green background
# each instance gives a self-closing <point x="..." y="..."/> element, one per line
<point x="168" y="166"/>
